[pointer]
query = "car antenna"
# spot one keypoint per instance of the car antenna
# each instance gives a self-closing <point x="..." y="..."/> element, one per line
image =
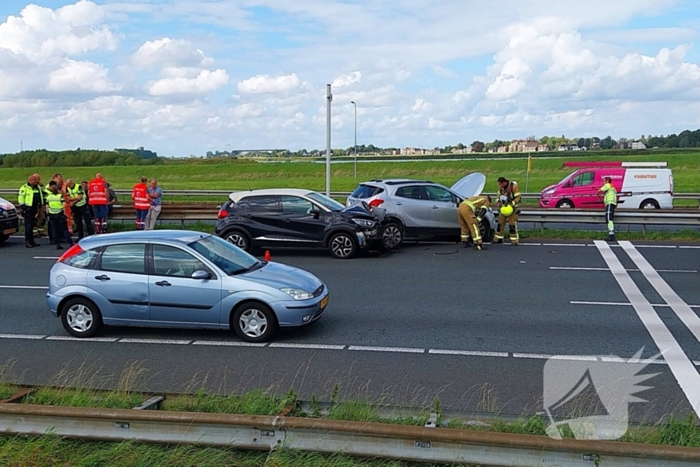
<point x="248" y="185"/>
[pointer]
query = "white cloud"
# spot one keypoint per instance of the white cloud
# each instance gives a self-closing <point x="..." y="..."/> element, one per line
<point x="265" y="84"/>
<point x="168" y="52"/>
<point x="347" y="80"/>
<point x="77" y="77"/>
<point x="205" y="83"/>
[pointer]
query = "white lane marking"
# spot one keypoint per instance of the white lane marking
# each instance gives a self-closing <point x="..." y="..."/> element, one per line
<point x="82" y="339"/>
<point x="468" y="353"/>
<point x="575" y="302"/>
<point x="287" y="345"/>
<point x="573" y="268"/>
<point x="29" y="287"/>
<point x="688" y="316"/>
<point x="153" y="341"/>
<point x="21" y="336"/>
<point x="563" y="244"/>
<point x="690" y="247"/>
<point x="230" y="343"/>
<point x="46" y="257"/>
<point x="650" y="246"/>
<point x="681" y="366"/>
<point x="448" y="352"/>
<point x="532" y="355"/>
<point x="385" y="349"/>
<point x="531" y="244"/>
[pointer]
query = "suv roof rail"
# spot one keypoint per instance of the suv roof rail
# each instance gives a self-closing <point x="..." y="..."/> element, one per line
<point x="406" y="182"/>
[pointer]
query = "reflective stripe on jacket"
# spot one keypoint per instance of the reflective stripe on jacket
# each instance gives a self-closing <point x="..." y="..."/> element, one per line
<point x="26" y="195"/>
<point x="512" y="192"/>
<point x="74" y="192"/>
<point x="97" y="192"/>
<point x="610" y="194"/>
<point x="140" y="196"/>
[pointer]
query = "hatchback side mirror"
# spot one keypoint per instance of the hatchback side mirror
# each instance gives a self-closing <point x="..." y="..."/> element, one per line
<point x="200" y="275"/>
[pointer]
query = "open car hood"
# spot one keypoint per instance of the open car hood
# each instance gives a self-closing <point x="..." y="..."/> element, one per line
<point x="361" y="208"/>
<point x="471" y="185"/>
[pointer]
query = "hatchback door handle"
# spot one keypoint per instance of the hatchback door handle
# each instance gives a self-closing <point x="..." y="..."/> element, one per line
<point x="102" y="278"/>
<point x="435" y="207"/>
<point x="398" y="204"/>
<point x="163" y="283"/>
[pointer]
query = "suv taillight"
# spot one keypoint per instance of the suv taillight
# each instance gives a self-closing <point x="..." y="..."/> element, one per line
<point x="72" y="251"/>
<point x="376" y="203"/>
<point x="222" y="213"/>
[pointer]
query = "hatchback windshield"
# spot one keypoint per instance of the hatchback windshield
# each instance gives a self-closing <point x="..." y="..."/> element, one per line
<point x="229" y="258"/>
<point x="330" y="203"/>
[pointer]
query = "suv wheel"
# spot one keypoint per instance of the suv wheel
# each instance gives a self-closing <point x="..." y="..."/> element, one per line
<point x="392" y="235"/>
<point x="238" y="238"/>
<point x="342" y="245"/>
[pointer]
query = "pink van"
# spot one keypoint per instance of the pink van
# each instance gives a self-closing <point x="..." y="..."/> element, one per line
<point x="640" y="185"/>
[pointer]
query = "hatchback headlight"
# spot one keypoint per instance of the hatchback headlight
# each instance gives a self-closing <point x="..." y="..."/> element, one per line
<point x="364" y="223"/>
<point x="298" y="294"/>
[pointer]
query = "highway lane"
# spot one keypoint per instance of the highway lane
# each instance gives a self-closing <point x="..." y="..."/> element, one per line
<point x="426" y="320"/>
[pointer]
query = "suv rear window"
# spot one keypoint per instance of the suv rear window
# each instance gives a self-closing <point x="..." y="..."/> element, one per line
<point x="366" y="191"/>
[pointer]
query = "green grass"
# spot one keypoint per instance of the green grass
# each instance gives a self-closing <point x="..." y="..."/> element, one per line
<point x="242" y="175"/>
<point x="256" y="402"/>
<point x="59" y="452"/>
<point x="81" y="397"/>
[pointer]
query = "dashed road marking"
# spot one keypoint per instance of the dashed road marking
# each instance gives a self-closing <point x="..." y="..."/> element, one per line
<point x="46" y="257"/>
<point x="337" y="347"/>
<point x="573" y="268"/>
<point x="385" y="349"/>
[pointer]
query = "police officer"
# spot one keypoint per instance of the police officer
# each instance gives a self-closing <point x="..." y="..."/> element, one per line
<point x="469" y="214"/>
<point x="79" y="208"/>
<point x="57" y="218"/>
<point x="508" y="195"/>
<point x="608" y="194"/>
<point x="31" y="201"/>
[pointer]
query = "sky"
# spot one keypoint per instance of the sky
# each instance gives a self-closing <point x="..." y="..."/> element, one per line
<point x="183" y="77"/>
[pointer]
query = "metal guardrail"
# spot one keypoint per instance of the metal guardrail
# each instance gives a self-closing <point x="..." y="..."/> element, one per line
<point x="413" y="443"/>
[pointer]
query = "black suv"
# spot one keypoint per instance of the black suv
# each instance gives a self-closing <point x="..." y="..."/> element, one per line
<point x="300" y="218"/>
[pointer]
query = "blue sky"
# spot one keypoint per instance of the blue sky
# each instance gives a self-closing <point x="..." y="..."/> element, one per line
<point x="183" y="77"/>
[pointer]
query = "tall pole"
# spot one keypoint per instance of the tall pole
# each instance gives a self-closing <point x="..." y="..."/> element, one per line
<point x="354" y="104"/>
<point x="329" y="98"/>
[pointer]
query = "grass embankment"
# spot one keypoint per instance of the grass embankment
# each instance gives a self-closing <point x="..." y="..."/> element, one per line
<point x="242" y="175"/>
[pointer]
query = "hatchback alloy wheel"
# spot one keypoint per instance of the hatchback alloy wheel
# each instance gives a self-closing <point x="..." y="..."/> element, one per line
<point x="254" y="322"/>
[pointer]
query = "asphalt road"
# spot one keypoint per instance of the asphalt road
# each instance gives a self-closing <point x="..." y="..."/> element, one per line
<point x="477" y="329"/>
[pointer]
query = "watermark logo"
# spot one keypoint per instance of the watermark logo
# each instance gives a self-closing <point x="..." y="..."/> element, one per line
<point x="591" y="395"/>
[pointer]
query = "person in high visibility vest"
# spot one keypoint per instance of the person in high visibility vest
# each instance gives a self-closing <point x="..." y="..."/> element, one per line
<point x="608" y="195"/>
<point x="57" y="218"/>
<point x="79" y="208"/>
<point x="142" y="202"/>
<point x="469" y="215"/>
<point x="508" y="195"/>
<point x="99" y="197"/>
<point x="41" y="221"/>
<point x="31" y="200"/>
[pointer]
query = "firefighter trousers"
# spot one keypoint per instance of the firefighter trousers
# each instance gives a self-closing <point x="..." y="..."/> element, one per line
<point x="468" y="224"/>
<point x="512" y="228"/>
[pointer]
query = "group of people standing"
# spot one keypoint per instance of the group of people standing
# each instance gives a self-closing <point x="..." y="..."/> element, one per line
<point x="65" y="203"/>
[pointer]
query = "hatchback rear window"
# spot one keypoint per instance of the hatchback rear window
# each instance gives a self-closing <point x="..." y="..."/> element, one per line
<point x="366" y="191"/>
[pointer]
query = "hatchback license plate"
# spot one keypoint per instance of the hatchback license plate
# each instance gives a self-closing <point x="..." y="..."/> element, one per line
<point x="324" y="302"/>
<point x="9" y="231"/>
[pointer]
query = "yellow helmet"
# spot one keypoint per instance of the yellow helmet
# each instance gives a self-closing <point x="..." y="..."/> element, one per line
<point x="506" y="210"/>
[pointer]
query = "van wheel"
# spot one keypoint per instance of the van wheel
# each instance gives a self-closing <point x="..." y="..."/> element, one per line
<point x="649" y="204"/>
<point x="565" y="204"/>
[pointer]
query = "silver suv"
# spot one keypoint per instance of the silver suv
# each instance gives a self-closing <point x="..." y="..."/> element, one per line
<point x="422" y="209"/>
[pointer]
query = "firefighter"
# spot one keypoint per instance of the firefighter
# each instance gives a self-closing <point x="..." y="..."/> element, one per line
<point x="41" y="222"/>
<point x="508" y="197"/>
<point x="608" y="194"/>
<point x="141" y="203"/>
<point x="55" y="205"/>
<point x="469" y="215"/>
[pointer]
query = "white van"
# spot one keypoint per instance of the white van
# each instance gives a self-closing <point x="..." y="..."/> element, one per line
<point x="640" y="185"/>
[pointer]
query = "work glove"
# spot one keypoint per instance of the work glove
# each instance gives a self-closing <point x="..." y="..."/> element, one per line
<point x="503" y="199"/>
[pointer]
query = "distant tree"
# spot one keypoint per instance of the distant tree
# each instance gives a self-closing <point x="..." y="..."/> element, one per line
<point x="581" y="142"/>
<point x="478" y="146"/>
<point x="459" y="146"/>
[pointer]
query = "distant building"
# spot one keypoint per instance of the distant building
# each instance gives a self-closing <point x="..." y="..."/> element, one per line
<point x="140" y="151"/>
<point x="542" y="148"/>
<point x="523" y="145"/>
<point x="638" y="145"/>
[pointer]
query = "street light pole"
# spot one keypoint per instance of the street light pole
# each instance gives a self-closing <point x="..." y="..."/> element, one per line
<point x="354" y="104"/>
<point x="329" y="98"/>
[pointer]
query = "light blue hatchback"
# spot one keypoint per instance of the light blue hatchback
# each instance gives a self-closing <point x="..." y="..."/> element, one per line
<point x="179" y="279"/>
